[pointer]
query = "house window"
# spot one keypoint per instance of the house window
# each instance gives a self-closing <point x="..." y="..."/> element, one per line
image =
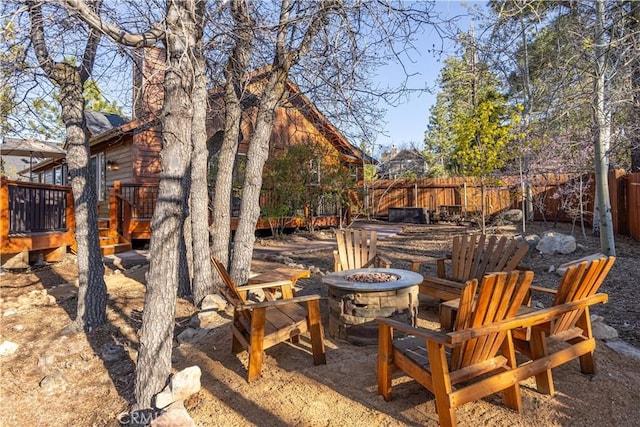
<point x="97" y="166"/>
<point x="60" y="175"/>
<point x="47" y="177"/>
<point x="353" y="171"/>
<point x="314" y="172"/>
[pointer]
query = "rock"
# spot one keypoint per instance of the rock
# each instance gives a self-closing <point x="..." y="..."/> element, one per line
<point x="602" y="331"/>
<point x="553" y="242"/>
<point x="53" y="383"/>
<point x="174" y="417"/>
<point x="63" y="292"/>
<point x="513" y="215"/>
<point x="40" y="262"/>
<point x="207" y="320"/>
<point x="112" y="352"/>
<point x="18" y="328"/>
<point x="551" y="269"/>
<point x="193" y="335"/>
<point x="532" y="240"/>
<point x="187" y="334"/>
<point x="45" y="361"/>
<point x="8" y="348"/>
<point x="563" y="268"/>
<point x="10" y="312"/>
<point x="185" y="383"/>
<point x="213" y="302"/>
<point x="182" y="385"/>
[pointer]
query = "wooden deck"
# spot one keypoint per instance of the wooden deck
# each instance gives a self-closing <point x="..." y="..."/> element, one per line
<point x="37" y="222"/>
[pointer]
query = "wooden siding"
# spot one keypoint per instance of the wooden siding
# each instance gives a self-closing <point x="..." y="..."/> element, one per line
<point x="147" y="144"/>
<point x="122" y="156"/>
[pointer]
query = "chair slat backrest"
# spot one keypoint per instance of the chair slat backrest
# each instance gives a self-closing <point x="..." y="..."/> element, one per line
<point x="231" y="291"/>
<point x="499" y="297"/>
<point x="579" y="281"/>
<point x="474" y="256"/>
<point x="356" y="247"/>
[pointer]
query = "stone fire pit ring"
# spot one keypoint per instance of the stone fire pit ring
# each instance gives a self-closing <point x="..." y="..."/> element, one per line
<point x="340" y="280"/>
<point x="354" y="305"/>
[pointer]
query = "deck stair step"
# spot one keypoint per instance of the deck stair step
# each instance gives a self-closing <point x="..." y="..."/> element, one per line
<point x="107" y="232"/>
<point x="115" y="248"/>
<point x="109" y="240"/>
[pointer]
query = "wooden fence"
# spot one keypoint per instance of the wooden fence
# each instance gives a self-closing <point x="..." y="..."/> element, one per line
<point x="556" y="197"/>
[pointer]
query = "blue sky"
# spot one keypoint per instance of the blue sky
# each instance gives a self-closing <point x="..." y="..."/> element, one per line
<point x="407" y="122"/>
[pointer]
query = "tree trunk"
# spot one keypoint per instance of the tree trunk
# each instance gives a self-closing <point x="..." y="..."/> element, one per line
<point x="256" y="158"/>
<point x="235" y="73"/>
<point x="202" y="277"/>
<point x="185" y="264"/>
<point x="602" y="118"/>
<point x="92" y="292"/>
<point x="156" y="333"/>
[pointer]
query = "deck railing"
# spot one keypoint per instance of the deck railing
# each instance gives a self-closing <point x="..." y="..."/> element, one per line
<point x="35" y="208"/>
<point x="35" y="217"/>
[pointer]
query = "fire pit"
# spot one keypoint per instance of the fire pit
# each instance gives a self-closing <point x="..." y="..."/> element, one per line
<point x="357" y="297"/>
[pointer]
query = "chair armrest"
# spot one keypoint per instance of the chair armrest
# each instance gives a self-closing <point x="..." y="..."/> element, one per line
<point x="382" y="260"/>
<point x="336" y="261"/>
<point x="276" y="303"/>
<point x="444" y="283"/>
<point x="526" y="320"/>
<point x="276" y="284"/>
<point x="426" y="334"/>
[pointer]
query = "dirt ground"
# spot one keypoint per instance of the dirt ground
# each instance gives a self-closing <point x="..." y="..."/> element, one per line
<point x="55" y="379"/>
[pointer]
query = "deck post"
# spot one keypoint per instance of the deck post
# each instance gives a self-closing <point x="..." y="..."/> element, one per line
<point x="4" y="210"/>
<point x="113" y="206"/>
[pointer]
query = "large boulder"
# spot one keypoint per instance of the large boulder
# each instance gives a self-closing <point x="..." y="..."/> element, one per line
<point x="513" y="215"/>
<point x="556" y="243"/>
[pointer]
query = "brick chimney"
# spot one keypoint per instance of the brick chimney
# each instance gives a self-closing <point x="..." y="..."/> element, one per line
<point x="148" y="79"/>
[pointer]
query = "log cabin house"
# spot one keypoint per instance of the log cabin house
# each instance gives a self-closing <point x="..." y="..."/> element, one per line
<point x="127" y="163"/>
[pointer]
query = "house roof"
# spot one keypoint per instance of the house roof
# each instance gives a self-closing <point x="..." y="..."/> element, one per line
<point x="406" y="154"/>
<point x="99" y="123"/>
<point x="348" y="151"/>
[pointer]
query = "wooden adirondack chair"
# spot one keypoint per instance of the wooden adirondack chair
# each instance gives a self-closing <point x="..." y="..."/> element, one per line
<point x="357" y="249"/>
<point x="259" y="326"/>
<point x="472" y="257"/>
<point x="579" y="283"/>
<point x="479" y="348"/>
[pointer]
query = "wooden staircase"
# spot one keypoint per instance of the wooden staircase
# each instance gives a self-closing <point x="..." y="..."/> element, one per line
<point x="110" y="241"/>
